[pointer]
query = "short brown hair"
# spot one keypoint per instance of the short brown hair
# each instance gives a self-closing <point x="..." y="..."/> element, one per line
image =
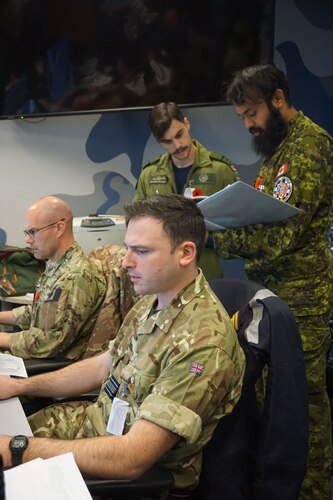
<point x="182" y="220"/>
<point x="161" y="116"/>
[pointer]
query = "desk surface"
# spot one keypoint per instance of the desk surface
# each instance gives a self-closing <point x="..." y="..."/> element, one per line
<point x="21" y="299"/>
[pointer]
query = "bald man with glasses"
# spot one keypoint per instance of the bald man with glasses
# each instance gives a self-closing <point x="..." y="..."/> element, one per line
<point x="68" y="295"/>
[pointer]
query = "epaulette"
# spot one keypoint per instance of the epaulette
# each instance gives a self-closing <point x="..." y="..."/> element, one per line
<point x="152" y="162"/>
<point x="219" y="157"/>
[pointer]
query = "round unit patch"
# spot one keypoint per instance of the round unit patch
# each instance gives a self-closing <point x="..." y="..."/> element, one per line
<point x="283" y="188"/>
<point x="203" y="178"/>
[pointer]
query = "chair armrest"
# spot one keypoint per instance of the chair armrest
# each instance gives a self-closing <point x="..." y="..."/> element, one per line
<point x="38" y="365"/>
<point x="154" y="480"/>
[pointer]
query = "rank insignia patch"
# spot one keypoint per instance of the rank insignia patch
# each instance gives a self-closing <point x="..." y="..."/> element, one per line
<point x="283" y="188"/>
<point x="196" y="368"/>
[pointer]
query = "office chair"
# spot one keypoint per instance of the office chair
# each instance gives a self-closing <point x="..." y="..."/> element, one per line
<point x="256" y="452"/>
<point x="151" y="484"/>
<point x="119" y="299"/>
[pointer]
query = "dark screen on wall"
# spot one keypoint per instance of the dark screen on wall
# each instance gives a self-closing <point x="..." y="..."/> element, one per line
<point x="65" y="56"/>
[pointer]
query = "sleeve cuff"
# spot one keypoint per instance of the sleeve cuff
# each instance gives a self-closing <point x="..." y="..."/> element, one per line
<point x="172" y="416"/>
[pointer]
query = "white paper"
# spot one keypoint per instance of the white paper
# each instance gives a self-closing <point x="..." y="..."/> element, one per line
<point x="12" y="418"/>
<point x="117" y="417"/>
<point x="56" y="478"/>
<point x="12" y="365"/>
<point x="240" y="204"/>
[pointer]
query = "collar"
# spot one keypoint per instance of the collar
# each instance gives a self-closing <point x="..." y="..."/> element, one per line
<point x="51" y="266"/>
<point x="164" y="318"/>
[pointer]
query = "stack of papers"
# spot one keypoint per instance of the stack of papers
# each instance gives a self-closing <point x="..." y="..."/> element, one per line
<point x="12" y="365"/>
<point x="56" y="478"/>
<point x="240" y="204"/>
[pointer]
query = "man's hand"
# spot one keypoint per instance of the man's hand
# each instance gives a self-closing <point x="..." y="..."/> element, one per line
<point x="8" y="387"/>
<point x="4" y="451"/>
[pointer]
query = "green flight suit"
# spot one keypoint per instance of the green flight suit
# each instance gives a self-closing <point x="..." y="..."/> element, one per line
<point x="292" y="259"/>
<point x="210" y="172"/>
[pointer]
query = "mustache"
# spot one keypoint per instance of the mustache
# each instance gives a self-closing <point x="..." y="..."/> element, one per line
<point x="179" y="150"/>
<point x="254" y="130"/>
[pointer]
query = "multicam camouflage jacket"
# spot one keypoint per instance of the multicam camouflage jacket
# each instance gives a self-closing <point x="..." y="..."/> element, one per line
<point x="119" y="298"/>
<point x="66" y="304"/>
<point x="180" y="367"/>
<point x="210" y="172"/>
<point x="292" y="258"/>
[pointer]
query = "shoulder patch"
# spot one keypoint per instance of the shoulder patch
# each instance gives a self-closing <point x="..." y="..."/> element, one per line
<point x="282" y="170"/>
<point x="283" y="188"/>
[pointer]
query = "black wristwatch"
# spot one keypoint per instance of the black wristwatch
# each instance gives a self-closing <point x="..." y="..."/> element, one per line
<point x="17" y="445"/>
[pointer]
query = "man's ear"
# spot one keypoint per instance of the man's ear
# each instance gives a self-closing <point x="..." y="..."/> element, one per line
<point x="187" y="123"/>
<point x="278" y="99"/>
<point x="188" y="254"/>
<point x="61" y="226"/>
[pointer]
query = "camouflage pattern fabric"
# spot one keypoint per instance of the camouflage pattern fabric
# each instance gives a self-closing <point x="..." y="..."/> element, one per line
<point x="210" y="173"/>
<point x="292" y="259"/>
<point x="181" y="368"/>
<point x="66" y="305"/>
<point x="119" y="298"/>
<point x="316" y="341"/>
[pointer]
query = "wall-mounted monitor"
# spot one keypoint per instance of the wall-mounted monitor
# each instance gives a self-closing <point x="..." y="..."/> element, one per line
<point x="67" y="56"/>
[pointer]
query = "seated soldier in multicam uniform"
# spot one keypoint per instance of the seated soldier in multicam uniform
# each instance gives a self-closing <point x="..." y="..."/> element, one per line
<point x="175" y="364"/>
<point x="68" y="295"/>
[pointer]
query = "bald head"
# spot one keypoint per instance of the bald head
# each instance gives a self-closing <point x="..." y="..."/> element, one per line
<point x="51" y="207"/>
<point x="52" y="217"/>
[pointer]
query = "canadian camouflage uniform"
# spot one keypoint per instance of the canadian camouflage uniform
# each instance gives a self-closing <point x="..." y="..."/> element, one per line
<point x="210" y="172"/>
<point x="292" y="259"/>
<point x="67" y="300"/>
<point x="119" y="298"/>
<point x="180" y="367"/>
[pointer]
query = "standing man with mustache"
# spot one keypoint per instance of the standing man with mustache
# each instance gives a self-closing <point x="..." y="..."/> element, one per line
<point x="186" y="164"/>
<point x="292" y="258"/>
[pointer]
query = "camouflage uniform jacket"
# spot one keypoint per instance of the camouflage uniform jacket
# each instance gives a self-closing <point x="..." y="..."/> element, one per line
<point x="67" y="300"/>
<point x="292" y="258"/>
<point x="119" y="298"/>
<point x="181" y="368"/>
<point x="210" y="172"/>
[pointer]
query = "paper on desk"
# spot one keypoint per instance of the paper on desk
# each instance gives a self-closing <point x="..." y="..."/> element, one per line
<point x="240" y="204"/>
<point x="12" y="365"/>
<point x="12" y="418"/>
<point x="56" y="478"/>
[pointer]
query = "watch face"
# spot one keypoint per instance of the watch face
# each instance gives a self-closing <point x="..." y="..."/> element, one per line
<point x="19" y="442"/>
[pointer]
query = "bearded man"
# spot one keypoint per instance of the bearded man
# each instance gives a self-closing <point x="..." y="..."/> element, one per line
<point x="292" y="257"/>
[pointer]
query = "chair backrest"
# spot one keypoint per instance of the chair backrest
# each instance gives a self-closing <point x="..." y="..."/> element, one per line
<point x="259" y="451"/>
<point x="119" y="298"/>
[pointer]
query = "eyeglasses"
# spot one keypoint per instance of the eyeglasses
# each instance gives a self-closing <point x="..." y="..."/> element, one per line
<point x="34" y="230"/>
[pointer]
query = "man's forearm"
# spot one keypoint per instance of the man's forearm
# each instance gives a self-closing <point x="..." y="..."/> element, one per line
<point x="7" y="318"/>
<point x="4" y="340"/>
<point x="78" y="378"/>
<point x="126" y="456"/>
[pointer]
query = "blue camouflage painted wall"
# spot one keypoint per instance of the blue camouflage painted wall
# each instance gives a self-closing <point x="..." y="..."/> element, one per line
<point x="93" y="161"/>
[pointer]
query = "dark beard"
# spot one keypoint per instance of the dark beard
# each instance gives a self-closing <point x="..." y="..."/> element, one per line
<point x="275" y="131"/>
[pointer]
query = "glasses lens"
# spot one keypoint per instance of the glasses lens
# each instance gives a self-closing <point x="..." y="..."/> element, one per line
<point x="30" y="232"/>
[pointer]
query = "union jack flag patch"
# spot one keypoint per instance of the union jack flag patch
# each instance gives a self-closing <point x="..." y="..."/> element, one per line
<point x="197" y="369"/>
